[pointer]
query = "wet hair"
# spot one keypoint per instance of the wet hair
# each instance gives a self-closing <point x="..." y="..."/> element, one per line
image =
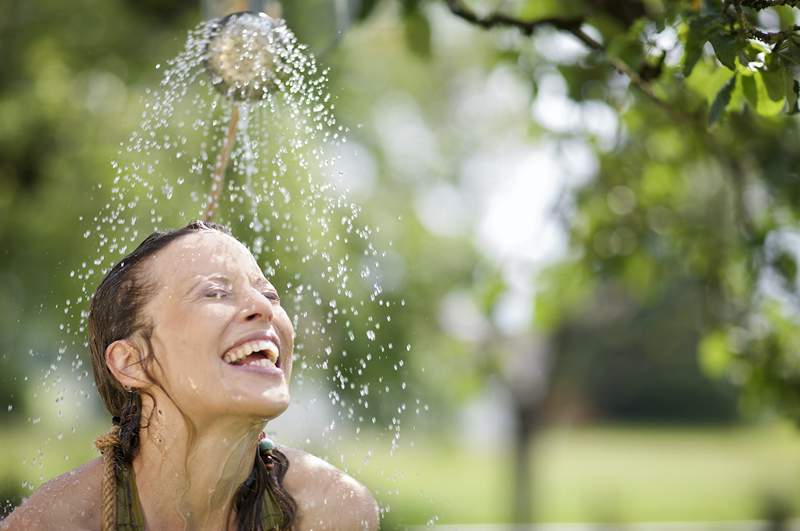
<point x="116" y="313"/>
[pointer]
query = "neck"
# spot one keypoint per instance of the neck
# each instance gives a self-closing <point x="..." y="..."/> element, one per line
<point x="187" y="477"/>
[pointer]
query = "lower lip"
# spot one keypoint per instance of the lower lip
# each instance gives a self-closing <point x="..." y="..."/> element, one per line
<point x="259" y="369"/>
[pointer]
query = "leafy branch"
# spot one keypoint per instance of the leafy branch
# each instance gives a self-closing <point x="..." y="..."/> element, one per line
<point x="762" y="73"/>
<point x="772" y="38"/>
<point x="747" y="29"/>
<point x="526" y="26"/>
<point x="764" y="4"/>
<point x="572" y="25"/>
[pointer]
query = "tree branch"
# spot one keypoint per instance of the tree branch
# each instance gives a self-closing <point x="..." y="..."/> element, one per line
<point x="749" y="31"/>
<point x="571" y="25"/>
<point x="764" y="4"/>
<point x="499" y="19"/>
<point x="771" y="38"/>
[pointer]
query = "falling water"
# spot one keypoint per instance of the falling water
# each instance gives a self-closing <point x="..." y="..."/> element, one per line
<point x="250" y="139"/>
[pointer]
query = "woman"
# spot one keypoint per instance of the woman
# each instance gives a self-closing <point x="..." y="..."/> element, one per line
<point x="192" y="353"/>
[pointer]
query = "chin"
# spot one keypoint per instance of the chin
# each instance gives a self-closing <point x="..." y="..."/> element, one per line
<point x="274" y="403"/>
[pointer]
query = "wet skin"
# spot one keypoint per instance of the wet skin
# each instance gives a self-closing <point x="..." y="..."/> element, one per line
<point x="210" y="295"/>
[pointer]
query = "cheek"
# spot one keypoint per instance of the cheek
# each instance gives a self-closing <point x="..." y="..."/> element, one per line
<point x="287" y="338"/>
<point x="195" y="329"/>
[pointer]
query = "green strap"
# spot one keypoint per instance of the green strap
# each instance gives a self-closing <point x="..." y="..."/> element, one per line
<point x="129" y="510"/>
<point x="273" y="517"/>
<point x="131" y="518"/>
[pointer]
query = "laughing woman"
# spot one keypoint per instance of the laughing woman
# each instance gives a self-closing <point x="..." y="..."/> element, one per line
<point x="192" y="354"/>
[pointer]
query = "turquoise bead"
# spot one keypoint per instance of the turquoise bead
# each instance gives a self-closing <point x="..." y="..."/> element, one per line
<point x="266" y="444"/>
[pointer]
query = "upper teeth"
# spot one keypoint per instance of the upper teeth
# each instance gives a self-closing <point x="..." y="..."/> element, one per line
<point x="245" y="349"/>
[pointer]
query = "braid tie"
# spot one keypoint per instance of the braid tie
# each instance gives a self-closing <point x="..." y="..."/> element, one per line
<point x="106" y="445"/>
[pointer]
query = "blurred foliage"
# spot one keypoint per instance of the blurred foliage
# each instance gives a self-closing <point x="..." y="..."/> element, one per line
<point x="683" y="241"/>
<point x="697" y="188"/>
<point x="615" y="339"/>
<point x="677" y="203"/>
<point x="62" y="98"/>
<point x="686" y="231"/>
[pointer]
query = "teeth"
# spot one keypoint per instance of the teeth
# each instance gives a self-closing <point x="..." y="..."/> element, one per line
<point x="272" y="352"/>
<point x="244" y="350"/>
<point x="262" y="362"/>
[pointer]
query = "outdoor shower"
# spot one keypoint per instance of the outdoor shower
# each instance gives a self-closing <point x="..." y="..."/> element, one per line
<point x="241" y="59"/>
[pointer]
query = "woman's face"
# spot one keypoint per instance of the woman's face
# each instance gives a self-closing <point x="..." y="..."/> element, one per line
<point x="217" y="326"/>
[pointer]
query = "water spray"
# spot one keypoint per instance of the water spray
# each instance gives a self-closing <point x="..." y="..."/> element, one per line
<point x="240" y="57"/>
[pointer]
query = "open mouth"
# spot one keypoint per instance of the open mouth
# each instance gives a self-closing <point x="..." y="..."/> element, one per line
<point x="259" y="352"/>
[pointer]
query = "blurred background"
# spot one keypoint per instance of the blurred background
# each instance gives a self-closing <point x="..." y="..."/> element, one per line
<point x="591" y="214"/>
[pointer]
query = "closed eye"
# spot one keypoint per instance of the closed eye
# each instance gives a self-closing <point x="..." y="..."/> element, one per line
<point x="271" y="295"/>
<point x="217" y="293"/>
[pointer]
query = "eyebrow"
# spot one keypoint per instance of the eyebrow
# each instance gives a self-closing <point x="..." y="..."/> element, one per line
<point x="213" y="276"/>
<point x="263" y="281"/>
<point x="256" y="281"/>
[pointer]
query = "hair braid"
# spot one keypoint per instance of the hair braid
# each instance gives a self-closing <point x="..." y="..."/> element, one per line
<point x="107" y="444"/>
<point x="118" y="447"/>
<point x="130" y="419"/>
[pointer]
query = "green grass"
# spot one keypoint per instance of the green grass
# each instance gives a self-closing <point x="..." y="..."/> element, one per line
<point x="602" y="474"/>
<point x="585" y="474"/>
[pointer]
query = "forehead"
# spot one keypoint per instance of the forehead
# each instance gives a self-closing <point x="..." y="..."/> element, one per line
<point x="203" y="253"/>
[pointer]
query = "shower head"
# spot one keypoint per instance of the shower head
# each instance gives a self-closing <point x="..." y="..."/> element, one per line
<point x="240" y="54"/>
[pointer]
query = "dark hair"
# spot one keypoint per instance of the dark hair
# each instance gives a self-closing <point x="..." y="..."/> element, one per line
<point x="116" y="313"/>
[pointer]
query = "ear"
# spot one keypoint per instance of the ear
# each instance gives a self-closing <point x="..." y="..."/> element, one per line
<point x="124" y="360"/>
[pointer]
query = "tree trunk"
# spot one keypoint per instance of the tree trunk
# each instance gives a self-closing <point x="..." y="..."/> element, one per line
<point x="525" y="430"/>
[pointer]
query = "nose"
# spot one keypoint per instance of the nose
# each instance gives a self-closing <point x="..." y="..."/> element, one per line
<point x="257" y="307"/>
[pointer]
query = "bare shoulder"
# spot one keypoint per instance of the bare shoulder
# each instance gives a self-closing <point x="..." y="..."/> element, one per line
<point x="70" y="501"/>
<point x="327" y="498"/>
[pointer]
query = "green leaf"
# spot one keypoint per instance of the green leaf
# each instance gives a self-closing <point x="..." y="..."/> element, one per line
<point x="758" y="96"/>
<point x="696" y="37"/>
<point x="786" y="266"/>
<point x="721" y="100"/>
<point x="725" y="48"/>
<point x="365" y="7"/>
<point x="749" y="89"/>
<point x="536" y="9"/>
<point x="418" y="33"/>
<point x="751" y="51"/>
<point x="707" y="80"/>
<point x="714" y="353"/>
<point x="786" y="15"/>
<point x="409" y="5"/>
<point x="792" y="94"/>
<point x="773" y="81"/>
<point x="788" y="51"/>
